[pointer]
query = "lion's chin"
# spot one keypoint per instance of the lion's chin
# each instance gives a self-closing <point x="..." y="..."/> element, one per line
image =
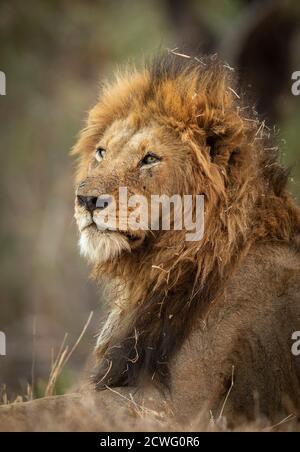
<point x="102" y="246"/>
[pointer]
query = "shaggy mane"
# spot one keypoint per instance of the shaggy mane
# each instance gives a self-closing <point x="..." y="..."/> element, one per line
<point x="161" y="291"/>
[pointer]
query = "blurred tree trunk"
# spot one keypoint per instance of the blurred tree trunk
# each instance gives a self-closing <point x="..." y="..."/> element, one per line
<point x="261" y="49"/>
<point x="258" y="45"/>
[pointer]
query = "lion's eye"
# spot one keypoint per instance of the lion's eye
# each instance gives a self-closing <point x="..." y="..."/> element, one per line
<point x="149" y="159"/>
<point x="100" y="153"/>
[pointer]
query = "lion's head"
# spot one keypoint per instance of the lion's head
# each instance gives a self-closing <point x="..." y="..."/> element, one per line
<point x="178" y="127"/>
<point x="139" y="154"/>
<point x="153" y="133"/>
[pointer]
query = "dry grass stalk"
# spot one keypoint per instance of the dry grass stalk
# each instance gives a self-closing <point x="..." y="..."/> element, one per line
<point x="62" y="358"/>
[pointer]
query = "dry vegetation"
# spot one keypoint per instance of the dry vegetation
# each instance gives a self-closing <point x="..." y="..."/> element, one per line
<point x="74" y="412"/>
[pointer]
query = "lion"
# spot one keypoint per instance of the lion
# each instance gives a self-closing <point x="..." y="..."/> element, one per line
<point x="195" y="319"/>
<point x="203" y="325"/>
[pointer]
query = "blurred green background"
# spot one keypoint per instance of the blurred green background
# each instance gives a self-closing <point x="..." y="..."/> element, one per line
<point x="54" y="54"/>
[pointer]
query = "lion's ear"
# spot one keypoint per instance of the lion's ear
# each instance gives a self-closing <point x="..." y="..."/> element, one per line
<point x="212" y="146"/>
<point x="218" y="116"/>
<point x="225" y="137"/>
<point x="221" y="152"/>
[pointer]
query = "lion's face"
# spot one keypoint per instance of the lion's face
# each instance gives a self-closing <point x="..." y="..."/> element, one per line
<point x="144" y="161"/>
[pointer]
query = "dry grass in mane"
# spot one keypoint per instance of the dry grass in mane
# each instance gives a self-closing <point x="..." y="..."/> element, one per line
<point x="168" y="283"/>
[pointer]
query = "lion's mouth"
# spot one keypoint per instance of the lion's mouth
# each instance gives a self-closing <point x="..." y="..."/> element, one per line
<point x="132" y="237"/>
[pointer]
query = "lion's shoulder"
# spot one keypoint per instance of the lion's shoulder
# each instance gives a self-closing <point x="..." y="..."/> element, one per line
<point x="267" y="267"/>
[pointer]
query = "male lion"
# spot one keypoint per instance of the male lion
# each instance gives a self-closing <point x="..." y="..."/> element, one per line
<point x="195" y="319"/>
<point x="206" y="325"/>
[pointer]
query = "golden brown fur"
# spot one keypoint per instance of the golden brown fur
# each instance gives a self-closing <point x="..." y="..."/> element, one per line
<point x="165" y="288"/>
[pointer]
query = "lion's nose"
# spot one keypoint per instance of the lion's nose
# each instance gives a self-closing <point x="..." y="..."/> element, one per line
<point x="103" y="202"/>
<point x="89" y="202"/>
<point x="92" y="203"/>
